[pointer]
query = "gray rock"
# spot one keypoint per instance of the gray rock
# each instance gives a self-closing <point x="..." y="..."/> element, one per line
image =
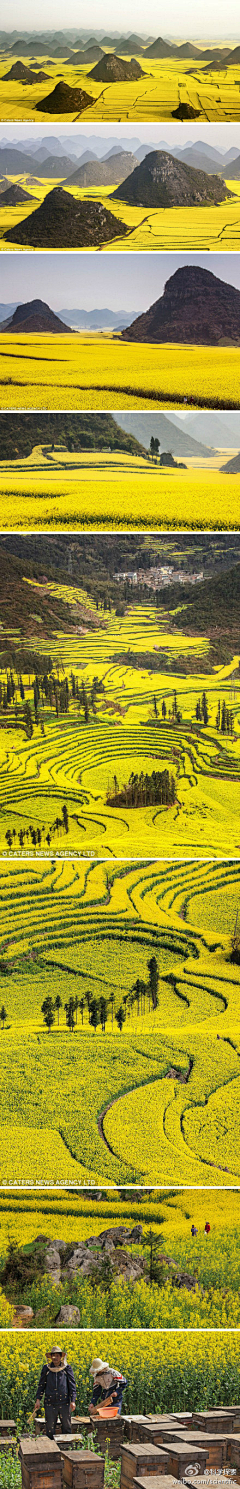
<point x="68" y="1314"/>
<point x="53" y="1263"/>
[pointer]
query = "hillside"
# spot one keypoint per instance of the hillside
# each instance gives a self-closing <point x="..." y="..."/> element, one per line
<point x="19" y="602"/>
<point x="64" y="100"/>
<point x="196" y="307"/>
<point x="35" y="317"/>
<point x="103" y="172"/>
<point x="161" y="180"/>
<point x="14" y="195"/>
<point x="62" y="222"/>
<point x="19" y="433"/>
<point x="212" y="609"/>
<point x="21" y="74"/>
<point x="232" y="466"/>
<point x="112" y="69"/>
<point x="222" y="430"/>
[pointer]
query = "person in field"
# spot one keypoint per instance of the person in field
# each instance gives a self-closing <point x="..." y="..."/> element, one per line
<point x="108" y="1386"/>
<point x="193" y="1230"/>
<point x="207" y="1229"/>
<point x="58" y="1387"/>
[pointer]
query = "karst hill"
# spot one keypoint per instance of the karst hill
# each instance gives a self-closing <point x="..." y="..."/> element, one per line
<point x="35" y="316"/>
<point x="112" y="69"/>
<point x="161" y="180"/>
<point x="196" y="307"/>
<point x="62" y="222"/>
<point x="103" y="172"/>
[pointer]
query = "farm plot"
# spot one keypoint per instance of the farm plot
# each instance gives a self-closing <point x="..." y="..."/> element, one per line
<point x="114" y="490"/>
<point x="215" y="228"/>
<point x="88" y="371"/>
<point x="164" y="86"/>
<point x="69" y="753"/>
<point x="89" y="932"/>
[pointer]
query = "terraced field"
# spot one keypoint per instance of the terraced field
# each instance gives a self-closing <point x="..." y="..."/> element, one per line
<point x="73" y="762"/>
<point x="115" y="490"/>
<point x="215" y="228"/>
<point x="165" y="85"/>
<point x="167" y="1088"/>
<point x="88" y="371"/>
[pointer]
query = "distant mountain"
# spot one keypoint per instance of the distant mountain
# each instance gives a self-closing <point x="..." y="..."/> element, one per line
<point x="91" y="54"/>
<point x="21" y="74"/>
<point x="15" y="162"/>
<point x="178" y="441"/>
<point x="104" y="172"/>
<point x="35" y="317"/>
<point x="62" y="222"/>
<point x="163" y="181"/>
<point x="97" y="320"/>
<point x="219" y="429"/>
<point x="195" y="307"/>
<point x="54" y="167"/>
<point x="112" y="69"/>
<point x="160" y="48"/>
<point x="233" y="169"/>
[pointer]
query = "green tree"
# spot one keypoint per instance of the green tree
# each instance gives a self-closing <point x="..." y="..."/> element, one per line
<point x="120" y="1017"/>
<point x="153" y="980"/>
<point x="48" y="1013"/>
<point x="58" y="1005"/>
<point x="3" y="1016"/>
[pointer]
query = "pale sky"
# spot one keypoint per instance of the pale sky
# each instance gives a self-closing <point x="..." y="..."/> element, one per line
<point x="84" y="137"/>
<point x="91" y="281"/>
<point x="204" y="18"/>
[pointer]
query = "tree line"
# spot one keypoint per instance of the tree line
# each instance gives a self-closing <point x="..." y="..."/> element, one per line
<point x="143" y="994"/>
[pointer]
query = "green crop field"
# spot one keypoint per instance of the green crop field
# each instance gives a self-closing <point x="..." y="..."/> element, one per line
<point x="88" y="371"/>
<point x="214" y="227"/>
<point x="66" y="759"/>
<point x="49" y="490"/>
<point x="165" y="85"/>
<point x="78" y="1105"/>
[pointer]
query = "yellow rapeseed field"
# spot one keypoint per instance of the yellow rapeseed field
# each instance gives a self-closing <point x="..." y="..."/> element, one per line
<point x="87" y="371"/>
<point x="114" y="490"/>
<point x="204" y="228"/>
<point x="165" y="84"/>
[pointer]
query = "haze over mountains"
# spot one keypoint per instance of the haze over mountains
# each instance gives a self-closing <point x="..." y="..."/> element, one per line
<point x="194" y="434"/>
<point x="78" y="319"/>
<point x="54" y="155"/>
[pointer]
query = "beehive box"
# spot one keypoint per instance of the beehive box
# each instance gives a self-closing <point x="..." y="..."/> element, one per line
<point x="41" y="1465"/>
<point x="69" y="1440"/>
<point x="7" y="1428"/>
<point x="83" y="1470"/>
<point x="109" y="1430"/>
<point x="152" y="1432"/>
<point x="233" y="1450"/>
<point x="132" y="1426"/>
<point x="213" y="1421"/>
<point x="215" y="1444"/>
<point x="6" y="1444"/>
<point x="183" y="1455"/>
<point x="154" y="1482"/>
<point x="139" y="1459"/>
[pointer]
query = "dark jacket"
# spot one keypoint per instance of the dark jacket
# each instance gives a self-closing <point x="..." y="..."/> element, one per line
<point x="118" y="1386"/>
<point x="57" y="1386"/>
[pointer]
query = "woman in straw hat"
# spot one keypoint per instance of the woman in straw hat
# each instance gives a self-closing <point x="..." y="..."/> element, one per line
<point x="108" y="1386"/>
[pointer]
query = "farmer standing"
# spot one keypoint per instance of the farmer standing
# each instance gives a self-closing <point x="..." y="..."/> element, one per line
<point x="58" y="1386"/>
<point x="108" y="1386"/>
<point x="207" y="1229"/>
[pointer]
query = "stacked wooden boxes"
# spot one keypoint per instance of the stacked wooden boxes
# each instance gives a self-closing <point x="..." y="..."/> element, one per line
<point x="109" y="1433"/>
<point x="132" y="1426"/>
<point x="7" y="1436"/>
<point x="79" y="1424"/>
<point x="154" y="1482"/>
<point x="213" y="1421"/>
<point x="41" y="1465"/>
<point x="141" y="1459"/>
<point x="83" y="1470"/>
<point x="214" y="1442"/>
<point x="182" y="1456"/>
<point x="153" y="1430"/>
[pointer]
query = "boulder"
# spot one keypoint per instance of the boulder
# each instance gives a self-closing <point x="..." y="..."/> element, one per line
<point x="53" y="1263"/>
<point x="68" y="1315"/>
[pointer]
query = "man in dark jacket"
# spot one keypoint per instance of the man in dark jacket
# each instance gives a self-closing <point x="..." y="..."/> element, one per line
<point x="58" y="1386"/>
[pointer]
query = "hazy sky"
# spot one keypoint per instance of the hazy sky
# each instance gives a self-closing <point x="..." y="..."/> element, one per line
<point x="82" y="137"/>
<point x="120" y="282"/>
<point x="203" y="18"/>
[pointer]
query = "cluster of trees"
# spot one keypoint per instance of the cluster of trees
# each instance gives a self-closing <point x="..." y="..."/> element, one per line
<point x="202" y="714"/>
<point x="37" y="835"/>
<point x="174" y="714"/>
<point x="144" y="994"/>
<point x="157" y="789"/>
<point x="49" y="690"/>
<point x="166" y="458"/>
<point x="224" y="718"/>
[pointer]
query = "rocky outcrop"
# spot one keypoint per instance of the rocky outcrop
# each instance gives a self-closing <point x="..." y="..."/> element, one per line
<point x="69" y="1316"/>
<point x="62" y="222"/>
<point x="163" y="181"/>
<point x="65" y="100"/>
<point x="35" y="316"/>
<point x="195" y="307"/>
<point x="112" y="69"/>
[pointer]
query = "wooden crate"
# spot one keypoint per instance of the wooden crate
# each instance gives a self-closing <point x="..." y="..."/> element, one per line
<point x="151" y="1432"/>
<point x="212" y="1421"/>
<point x="68" y="1440"/>
<point x="182" y="1455"/>
<point x="7" y="1427"/>
<point x="139" y="1459"/>
<point x="166" y="1482"/>
<point x="6" y="1444"/>
<point x="83" y="1470"/>
<point x="234" y="1450"/>
<point x="41" y="1465"/>
<point x="215" y="1444"/>
<point x="109" y="1430"/>
<point x="131" y="1427"/>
